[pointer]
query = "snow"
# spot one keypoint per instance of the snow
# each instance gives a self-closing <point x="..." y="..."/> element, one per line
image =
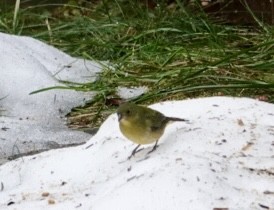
<point x="35" y="122"/>
<point x="129" y="93"/>
<point x="223" y="158"/>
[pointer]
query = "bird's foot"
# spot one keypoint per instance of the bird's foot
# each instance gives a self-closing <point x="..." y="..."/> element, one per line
<point x="135" y="151"/>
<point x="153" y="149"/>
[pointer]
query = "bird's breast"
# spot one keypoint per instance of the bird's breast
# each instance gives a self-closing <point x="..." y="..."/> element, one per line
<point x="139" y="134"/>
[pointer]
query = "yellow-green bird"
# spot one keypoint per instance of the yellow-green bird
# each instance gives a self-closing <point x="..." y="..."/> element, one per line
<point x="142" y="125"/>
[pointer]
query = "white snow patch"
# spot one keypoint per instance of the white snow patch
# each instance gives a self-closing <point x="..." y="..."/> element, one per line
<point x="33" y="122"/>
<point x="222" y="158"/>
<point x="129" y="93"/>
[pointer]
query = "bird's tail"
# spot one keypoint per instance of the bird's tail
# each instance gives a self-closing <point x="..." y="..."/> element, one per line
<point x="177" y="119"/>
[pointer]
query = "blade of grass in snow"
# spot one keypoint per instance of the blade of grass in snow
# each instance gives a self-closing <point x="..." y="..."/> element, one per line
<point x="15" y="15"/>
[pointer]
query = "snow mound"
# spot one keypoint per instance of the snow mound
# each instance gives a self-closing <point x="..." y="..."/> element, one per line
<point x="222" y="159"/>
<point x="33" y="122"/>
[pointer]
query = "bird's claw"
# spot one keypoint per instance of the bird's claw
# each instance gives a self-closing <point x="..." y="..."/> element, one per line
<point x="134" y="152"/>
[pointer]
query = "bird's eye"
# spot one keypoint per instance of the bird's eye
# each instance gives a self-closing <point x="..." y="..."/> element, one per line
<point x="128" y="112"/>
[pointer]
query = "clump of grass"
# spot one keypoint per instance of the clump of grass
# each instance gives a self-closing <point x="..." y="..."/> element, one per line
<point x="176" y="53"/>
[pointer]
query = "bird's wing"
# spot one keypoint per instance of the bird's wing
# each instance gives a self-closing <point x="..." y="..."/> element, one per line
<point x="155" y="120"/>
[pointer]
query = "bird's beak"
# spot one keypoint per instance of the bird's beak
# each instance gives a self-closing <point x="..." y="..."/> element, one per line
<point x="119" y="116"/>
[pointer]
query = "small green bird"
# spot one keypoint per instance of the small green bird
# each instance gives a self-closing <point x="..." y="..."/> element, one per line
<point x="142" y="125"/>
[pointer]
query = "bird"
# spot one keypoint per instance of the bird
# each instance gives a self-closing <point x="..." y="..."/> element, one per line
<point x="142" y="125"/>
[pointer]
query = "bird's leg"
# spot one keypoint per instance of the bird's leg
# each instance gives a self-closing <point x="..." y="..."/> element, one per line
<point x="154" y="147"/>
<point x="135" y="151"/>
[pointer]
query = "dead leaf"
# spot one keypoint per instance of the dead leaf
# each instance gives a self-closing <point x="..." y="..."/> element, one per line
<point x="240" y="122"/>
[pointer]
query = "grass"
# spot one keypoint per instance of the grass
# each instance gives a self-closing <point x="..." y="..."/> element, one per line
<point x="173" y="52"/>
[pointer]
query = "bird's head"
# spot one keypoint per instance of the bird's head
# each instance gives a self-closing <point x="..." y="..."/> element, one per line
<point x="126" y="111"/>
